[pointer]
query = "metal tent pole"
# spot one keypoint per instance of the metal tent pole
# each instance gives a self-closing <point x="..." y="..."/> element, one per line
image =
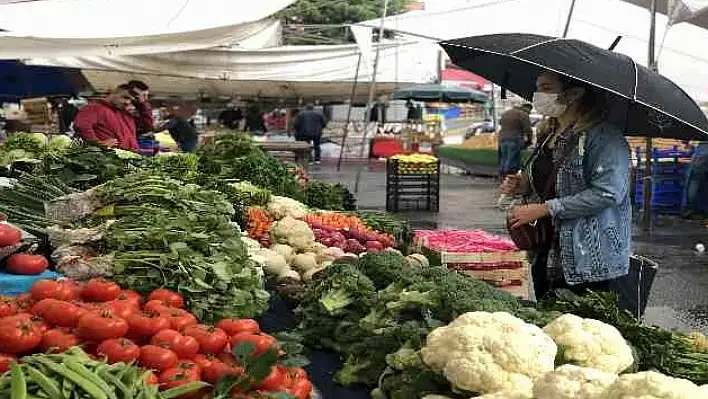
<point x="648" y="180"/>
<point x="570" y="17"/>
<point x="349" y="113"/>
<point x="372" y="84"/>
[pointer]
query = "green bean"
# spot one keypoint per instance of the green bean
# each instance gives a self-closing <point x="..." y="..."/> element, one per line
<point x="45" y="383"/>
<point x="67" y="388"/>
<point x="106" y="375"/>
<point x="19" y="385"/>
<point x="87" y="385"/>
<point x="184" y="389"/>
<point x="77" y="367"/>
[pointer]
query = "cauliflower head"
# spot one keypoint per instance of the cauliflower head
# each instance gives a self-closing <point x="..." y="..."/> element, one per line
<point x="490" y="352"/>
<point x="573" y="382"/>
<point x="507" y="395"/>
<point x="591" y="343"/>
<point x="652" y="385"/>
<point x="280" y="207"/>
<point x="294" y="232"/>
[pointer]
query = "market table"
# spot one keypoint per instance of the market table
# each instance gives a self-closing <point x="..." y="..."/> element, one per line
<point x="301" y="149"/>
<point x="323" y="365"/>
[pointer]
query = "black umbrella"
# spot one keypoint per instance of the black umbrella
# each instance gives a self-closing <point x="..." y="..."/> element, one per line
<point x="643" y="102"/>
<point x="440" y="92"/>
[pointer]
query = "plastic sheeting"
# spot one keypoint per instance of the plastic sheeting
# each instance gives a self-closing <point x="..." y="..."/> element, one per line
<point x="598" y="22"/>
<point x="69" y="28"/>
<point x="398" y="63"/>
<point x="191" y="88"/>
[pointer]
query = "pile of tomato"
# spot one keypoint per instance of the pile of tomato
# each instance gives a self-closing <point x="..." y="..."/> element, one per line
<point x="121" y="326"/>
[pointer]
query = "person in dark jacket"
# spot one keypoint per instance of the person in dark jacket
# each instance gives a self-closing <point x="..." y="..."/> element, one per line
<point x="514" y="135"/>
<point x="107" y="121"/>
<point x="180" y="128"/>
<point x="255" y="121"/>
<point x="143" y="109"/>
<point x="231" y="117"/>
<point x="308" y="127"/>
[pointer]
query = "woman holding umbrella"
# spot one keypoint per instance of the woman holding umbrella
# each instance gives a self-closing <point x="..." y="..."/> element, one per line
<point x="579" y="176"/>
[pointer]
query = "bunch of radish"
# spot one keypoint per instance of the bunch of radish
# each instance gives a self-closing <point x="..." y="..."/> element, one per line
<point x="121" y="326"/>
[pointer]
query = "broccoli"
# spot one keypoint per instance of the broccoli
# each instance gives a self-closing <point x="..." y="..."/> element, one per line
<point x="404" y="358"/>
<point x="387" y="267"/>
<point x="342" y="286"/>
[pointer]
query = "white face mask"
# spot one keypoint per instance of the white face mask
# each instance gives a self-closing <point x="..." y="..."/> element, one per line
<point x="547" y="104"/>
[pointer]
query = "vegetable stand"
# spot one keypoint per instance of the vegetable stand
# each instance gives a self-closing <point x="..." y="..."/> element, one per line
<point x="168" y="259"/>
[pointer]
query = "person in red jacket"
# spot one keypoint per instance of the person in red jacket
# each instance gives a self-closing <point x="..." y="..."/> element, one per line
<point x="107" y="122"/>
<point x="143" y="116"/>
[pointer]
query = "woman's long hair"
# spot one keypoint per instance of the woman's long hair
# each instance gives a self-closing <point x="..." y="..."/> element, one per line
<point x="593" y="106"/>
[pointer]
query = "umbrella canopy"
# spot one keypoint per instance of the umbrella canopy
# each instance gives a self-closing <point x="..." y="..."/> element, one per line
<point x="643" y="102"/>
<point x="437" y="92"/>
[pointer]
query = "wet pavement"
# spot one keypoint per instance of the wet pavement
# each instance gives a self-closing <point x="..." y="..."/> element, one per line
<point x="679" y="297"/>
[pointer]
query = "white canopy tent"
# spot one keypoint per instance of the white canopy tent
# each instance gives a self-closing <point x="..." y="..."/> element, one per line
<point x="70" y="28"/>
<point x="289" y="71"/>
<point x="599" y="22"/>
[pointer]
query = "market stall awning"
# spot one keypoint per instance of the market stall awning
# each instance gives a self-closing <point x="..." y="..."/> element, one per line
<point x="463" y="78"/>
<point x="74" y="28"/>
<point x="402" y="63"/>
<point x="598" y="22"/>
<point x="19" y="81"/>
<point x="440" y="92"/>
<point x="190" y="88"/>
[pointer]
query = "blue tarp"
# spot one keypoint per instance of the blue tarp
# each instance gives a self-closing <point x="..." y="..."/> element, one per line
<point x="18" y="80"/>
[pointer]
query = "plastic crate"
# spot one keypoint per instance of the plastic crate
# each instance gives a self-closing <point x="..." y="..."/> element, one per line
<point x="674" y="152"/>
<point x="393" y="171"/>
<point x="402" y="203"/>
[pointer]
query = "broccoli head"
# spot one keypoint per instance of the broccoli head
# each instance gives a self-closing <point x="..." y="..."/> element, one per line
<point x="385" y="268"/>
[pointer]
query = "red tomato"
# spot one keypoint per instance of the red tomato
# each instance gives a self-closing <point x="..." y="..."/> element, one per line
<point x="118" y="350"/>
<point x="5" y="362"/>
<point x="275" y="381"/>
<point x="297" y="373"/>
<point x="217" y="370"/>
<point x="56" y="289"/>
<point x="227" y="358"/>
<point x="122" y="309"/>
<point x="100" y="290"/>
<point x="301" y="389"/>
<point x="235" y="326"/>
<point x="157" y="358"/>
<point x="204" y="361"/>
<point x="262" y="343"/>
<point x="39" y="324"/>
<point x="58" y="313"/>
<point x="9" y="235"/>
<point x="175" y="377"/>
<point x="57" y="340"/>
<point x="130" y="295"/>
<point x="18" y="336"/>
<point x="99" y="326"/>
<point x="156" y="307"/>
<point x="8" y="307"/>
<point x="189" y="366"/>
<point x="167" y="297"/>
<point x="180" y="319"/>
<point x="24" y="301"/>
<point x="145" y="325"/>
<point x="27" y="264"/>
<point x="211" y="340"/>
<point x="184" y="346"/>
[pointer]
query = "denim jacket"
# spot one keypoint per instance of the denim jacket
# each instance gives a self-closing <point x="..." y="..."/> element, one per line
<point x="592" y="209"/>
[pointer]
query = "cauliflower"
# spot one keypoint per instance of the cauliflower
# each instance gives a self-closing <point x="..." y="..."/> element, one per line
<point x="296" y="233"/>
<point x="507" y="395"/>
<point x="280" y="207"/>
<point x="490" y="352"/>
<point x="703" y="391"/>
<point x="590" y="343"/>
<point x="652" y="385"/>
<point x="573" y="382"/>
<point x="272" y="262"/>
<point x="285" y="250"/>
<point x="304" y="262"/>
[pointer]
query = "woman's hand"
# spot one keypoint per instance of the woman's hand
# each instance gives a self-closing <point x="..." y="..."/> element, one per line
<point x="512" y="185"/>
<point x="526" y="214"/>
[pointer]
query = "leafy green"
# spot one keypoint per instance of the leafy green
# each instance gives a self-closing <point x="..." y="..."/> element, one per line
<point x="328" y="196"/>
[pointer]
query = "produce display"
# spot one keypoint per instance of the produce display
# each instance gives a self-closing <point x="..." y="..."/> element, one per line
<point x="415" y="164"/>
<point x="168" y="262"/>
<point x="137" y="344"/>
